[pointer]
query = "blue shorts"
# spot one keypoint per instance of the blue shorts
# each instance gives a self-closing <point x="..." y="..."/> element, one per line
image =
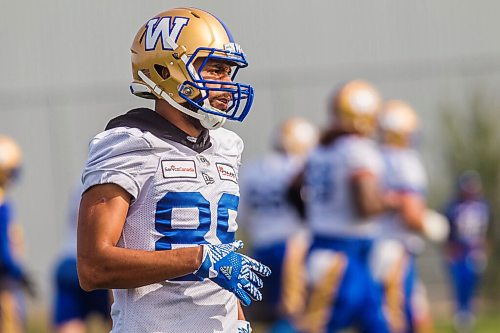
<point x="343" y="292"/>
<point x="465" y="277"/>
<point x="71" y="301"/>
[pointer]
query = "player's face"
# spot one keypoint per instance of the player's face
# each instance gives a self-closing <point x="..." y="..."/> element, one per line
<point x="8" y="177"/>
<point x="216" y="70"/>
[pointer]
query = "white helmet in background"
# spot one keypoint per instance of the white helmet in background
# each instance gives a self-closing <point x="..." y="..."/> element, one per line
<point x="354" y="107"/>
<point x="296" y="137"/>
<point x="398" y="123"/>
<point x="10" y="161"/>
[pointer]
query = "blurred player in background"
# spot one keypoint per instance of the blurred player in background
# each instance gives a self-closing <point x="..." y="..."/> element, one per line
<point x="343" y="201"/>
<point x="468" y="215"/>
<point x="12" y="275"/>
<point x="274" y="225"/>
<point x="72" y="304"/>
<point x="393" y="256"/>
<point x="157" y="218"/>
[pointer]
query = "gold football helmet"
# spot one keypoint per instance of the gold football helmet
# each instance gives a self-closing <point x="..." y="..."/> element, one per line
<point x="10" y="161"/>
<point x="164" y="51"/>
<point x="397" y="123"/>
<point x="355" y="106"/>
<point x="297" y="137"/>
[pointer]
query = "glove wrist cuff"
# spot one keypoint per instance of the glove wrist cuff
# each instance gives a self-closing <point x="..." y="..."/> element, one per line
<point x="243" y="326"/>
<point x="205" y="263"/>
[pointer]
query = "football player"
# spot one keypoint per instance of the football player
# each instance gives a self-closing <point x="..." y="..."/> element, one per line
<point x="12" y="275"/>
<point x="342" y="204"/>
<point x="273" y="224"/>
<point x="468" y="215"/>
<point x="393" y="256"/>
<point x="158" y="214"/>
<point x="72" y="304"/>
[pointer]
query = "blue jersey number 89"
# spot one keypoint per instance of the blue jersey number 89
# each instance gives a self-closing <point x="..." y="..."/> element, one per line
<point x="171" y="200"/>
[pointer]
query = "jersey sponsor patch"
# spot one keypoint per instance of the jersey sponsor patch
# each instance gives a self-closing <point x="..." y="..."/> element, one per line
<point x="226" y="172"/>
<point x="178" y="169"/>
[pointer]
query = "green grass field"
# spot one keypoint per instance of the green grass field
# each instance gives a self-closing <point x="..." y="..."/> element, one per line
<point x="486" y="323"/>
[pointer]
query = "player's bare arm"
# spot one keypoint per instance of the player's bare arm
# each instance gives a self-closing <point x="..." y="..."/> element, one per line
<point x="412" y="210"/>
<point x="101" y="264"/>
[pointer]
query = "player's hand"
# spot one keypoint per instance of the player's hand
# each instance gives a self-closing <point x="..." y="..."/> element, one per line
<point x="233" y="271"/>
<point x="435" y="226"/>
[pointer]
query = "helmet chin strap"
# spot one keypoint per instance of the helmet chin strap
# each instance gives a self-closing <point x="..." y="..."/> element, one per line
<point x="209" y="121"/>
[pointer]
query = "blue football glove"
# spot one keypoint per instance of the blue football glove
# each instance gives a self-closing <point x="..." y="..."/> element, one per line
<point x="233" y="271"/>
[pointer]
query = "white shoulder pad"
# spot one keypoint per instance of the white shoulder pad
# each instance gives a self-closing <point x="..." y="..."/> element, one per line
<point x="414" y="175"/>
<point x="228" y="143"/>
<point x="404" y="170"/>
<point x="121" y="156"/>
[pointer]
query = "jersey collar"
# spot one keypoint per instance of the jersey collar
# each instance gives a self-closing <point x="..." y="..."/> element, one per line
<point x="148" y="120"/>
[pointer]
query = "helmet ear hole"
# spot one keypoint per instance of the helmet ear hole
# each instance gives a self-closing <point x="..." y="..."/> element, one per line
<point x="162" y="71"/>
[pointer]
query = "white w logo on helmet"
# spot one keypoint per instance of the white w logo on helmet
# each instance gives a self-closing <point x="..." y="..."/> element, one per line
<point x="165" y="29"/>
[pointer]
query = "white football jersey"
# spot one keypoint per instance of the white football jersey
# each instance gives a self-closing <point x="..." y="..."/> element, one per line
<point x="404" y="172"/>
<point x="180" y="198"/>
<point x="267" y="214"/>
<point x="330" y="208"/>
